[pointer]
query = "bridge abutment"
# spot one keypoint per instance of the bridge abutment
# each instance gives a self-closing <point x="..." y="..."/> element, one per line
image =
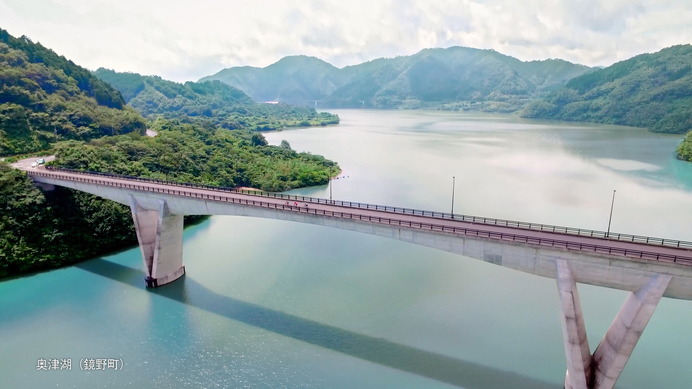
<point x="160" y="236"/>
<point x="602" y="369"/>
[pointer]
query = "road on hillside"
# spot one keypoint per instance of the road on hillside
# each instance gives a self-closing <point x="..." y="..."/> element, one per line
<point x="25" y="164"/>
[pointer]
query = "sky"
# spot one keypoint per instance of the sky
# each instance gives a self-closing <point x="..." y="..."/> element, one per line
<point x="185" y="40"/>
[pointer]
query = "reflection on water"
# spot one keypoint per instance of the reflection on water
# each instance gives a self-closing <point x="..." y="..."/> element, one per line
<point x="377" y="350"/>
<point x="627" y="165"/>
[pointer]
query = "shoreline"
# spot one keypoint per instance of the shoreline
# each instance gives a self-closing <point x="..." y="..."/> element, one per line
<point x="339" y="176"/>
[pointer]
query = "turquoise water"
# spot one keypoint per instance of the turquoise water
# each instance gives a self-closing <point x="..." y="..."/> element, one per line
<point x="277" y="304"/>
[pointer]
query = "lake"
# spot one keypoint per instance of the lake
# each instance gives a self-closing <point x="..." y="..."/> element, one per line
<point x="268" y="303"/>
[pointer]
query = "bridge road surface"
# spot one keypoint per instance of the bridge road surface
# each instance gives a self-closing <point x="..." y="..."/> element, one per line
<point x="363" y="212"/>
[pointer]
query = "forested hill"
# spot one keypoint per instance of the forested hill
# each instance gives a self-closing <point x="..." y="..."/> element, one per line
<point x="210" y="101"/>
<point x="295" y="79"/>
<point x="44" y="98"/>
<point x="650" y="90"/>
<point x="153" y="95"/>
<point x="453" y="78"/>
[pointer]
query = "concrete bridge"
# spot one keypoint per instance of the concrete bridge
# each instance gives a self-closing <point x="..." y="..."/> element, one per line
<point x="650" y="268"/>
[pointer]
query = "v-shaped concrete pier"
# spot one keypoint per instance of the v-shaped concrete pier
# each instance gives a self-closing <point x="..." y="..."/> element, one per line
<point x="602" y="369"/>
<point x="160" y="236"/>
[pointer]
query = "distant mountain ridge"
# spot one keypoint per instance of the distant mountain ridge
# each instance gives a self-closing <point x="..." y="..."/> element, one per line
<point x="153" y="95"/>
<point x="300" y="79"/>
<point x="209" y="102"/>
<point x="453" y="78"/>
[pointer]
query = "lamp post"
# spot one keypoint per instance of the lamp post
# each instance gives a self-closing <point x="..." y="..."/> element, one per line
<point x="453" y="185"/>
<point x="611" y="214"/>
<point x="330" y="184"/>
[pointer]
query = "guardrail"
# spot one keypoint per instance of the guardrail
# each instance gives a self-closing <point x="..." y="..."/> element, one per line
<point x="408" y="211"/>
<point x="642" y="254"/>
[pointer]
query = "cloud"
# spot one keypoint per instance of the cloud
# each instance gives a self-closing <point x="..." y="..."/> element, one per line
<point x="185" y="40"/>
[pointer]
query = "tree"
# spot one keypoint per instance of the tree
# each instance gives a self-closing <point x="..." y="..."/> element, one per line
<point x="685" y="148"/>
<point x="258" y="140"/>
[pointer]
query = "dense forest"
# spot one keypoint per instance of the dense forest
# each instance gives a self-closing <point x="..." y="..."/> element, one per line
<point x="192" y="153"/>
<point x="45" y="97"/>
<point x="210" y="101"/>
<point x="49" y="104"/>
<point x="42" y="230"/>
<point x="653" y="91"/>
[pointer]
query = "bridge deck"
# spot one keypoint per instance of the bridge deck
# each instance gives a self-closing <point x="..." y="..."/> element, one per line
<point x="636" y="247"/>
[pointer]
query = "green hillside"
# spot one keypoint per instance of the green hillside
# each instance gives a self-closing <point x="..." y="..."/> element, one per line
<point x="48" y="103"/>
<point x="650" y="90"/>
<point x="684" y="150"/>
<point x="45" y="98"/>
<point x="453" y="78"/>
<point x="43" y="230"/>
<point x="198" y="154"/>
<point x="210" y="101"/>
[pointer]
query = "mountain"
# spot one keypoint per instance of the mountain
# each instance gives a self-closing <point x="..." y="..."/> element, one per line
<point x="457" y="77"/>
<point x="211" y="101"/>
<point x="650" y="90"/>
<point x="292" y="80"/>
<point x="45" y="98"/>
<point x="152" y="95"/>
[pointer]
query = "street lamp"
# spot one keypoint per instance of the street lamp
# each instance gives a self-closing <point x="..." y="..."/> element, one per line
<point x="611" y="214"/>
<point x="453" y="185"/>
<point x="330" y="184"/>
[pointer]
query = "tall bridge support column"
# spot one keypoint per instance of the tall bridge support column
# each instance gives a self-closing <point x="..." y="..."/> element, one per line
<point x="577" y="352"/>
<point x="602" y="369"/>
<point x="160" y="236"/>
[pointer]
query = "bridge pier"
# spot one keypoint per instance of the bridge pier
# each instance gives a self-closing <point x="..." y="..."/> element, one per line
<point x="160" y="236"/>
<point x="602" y="369"/>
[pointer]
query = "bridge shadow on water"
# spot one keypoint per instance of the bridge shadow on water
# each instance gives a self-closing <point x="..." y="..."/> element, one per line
<point x="377" y="350"/>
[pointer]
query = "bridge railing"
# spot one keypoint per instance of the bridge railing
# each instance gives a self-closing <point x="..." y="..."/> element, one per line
<point x="411" y="211"/>
<point x="483" y="220"/>
<point x="558" y="243"/>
